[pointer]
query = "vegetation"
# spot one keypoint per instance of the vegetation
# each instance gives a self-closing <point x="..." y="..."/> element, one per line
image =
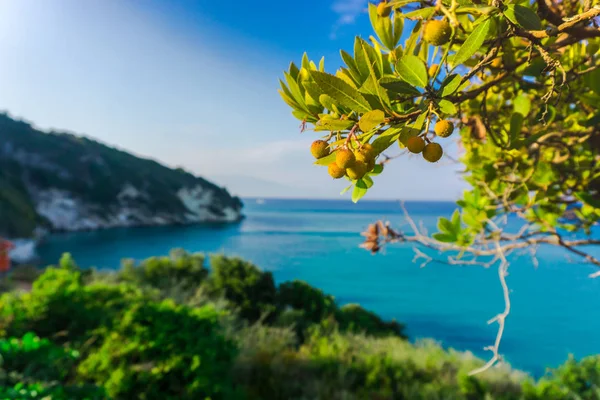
<point x="170" y="328"/>
<point x="32" y="161"/>
<point x="518" y="81"/>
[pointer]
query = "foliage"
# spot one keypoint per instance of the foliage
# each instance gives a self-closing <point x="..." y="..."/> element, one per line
<point x="83" y="335"/>
<point x="180" y="274"/>
<point x="47" y="161"/>
<point x="492" y="61"/>
<point x="34" y="368"/>
<point x="163" y="351"/>
<point x="249" y="289"/>
<point x="519" y="80"/>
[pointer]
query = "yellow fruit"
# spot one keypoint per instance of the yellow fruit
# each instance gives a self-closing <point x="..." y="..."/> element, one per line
<point x="444" y="128"/>
<point x="366" y="158"/>
<point x="496" y="63"/>
<point x="433" y="69"/>
<point x="319" y="149"/>
<point x="592" y="49"/>
<point x="336" y="172"/>
<point x="368" y="150"/>
<point x="415" y="144"/>
<point x="433" y="152"/>
<point x="437" y="32"/>
<point x="357" y="171"/>
<point x="345" y="158"/>
<point x="383" y="10"/>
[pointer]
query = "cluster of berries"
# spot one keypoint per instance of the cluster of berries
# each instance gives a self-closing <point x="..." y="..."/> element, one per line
<point x="353" y="163"/>
<point x="432" y="152"/>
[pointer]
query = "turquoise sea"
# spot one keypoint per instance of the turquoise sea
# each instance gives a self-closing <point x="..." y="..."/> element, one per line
<point x="555" y="307"/>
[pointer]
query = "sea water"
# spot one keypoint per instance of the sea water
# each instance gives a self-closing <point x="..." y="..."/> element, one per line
<point x="555" y="307"/>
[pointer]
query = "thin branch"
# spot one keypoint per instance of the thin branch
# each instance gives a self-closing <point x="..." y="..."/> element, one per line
<point x="500" y="318"/>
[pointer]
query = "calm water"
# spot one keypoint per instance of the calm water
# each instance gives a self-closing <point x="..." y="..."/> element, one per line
<point x="555" y="308"/>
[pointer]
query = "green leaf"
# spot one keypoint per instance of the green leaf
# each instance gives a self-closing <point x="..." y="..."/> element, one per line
<point x="456" y="220"/>
<point x="472" y="44"/>
<point x="447" y="107"/>
<point x="350" y="62"/>
<point x="343" y="94"/>
<point x="522" y="104"/>
<point x="516" y="124"/>
<point x="412" y="40"/>
<point x="423" y="13"/>
<point x="326" y="160"/>
<point x="450" y="85"/>
<point x="360" y="189"/>
<point x="377" y="170"/>
<point x="348" y="76"/>
<point x="588" y="199"/>
<point x="444" y="237"/>
<point x="332" y="124"/>
<point x="420" y="121"/>
<point x="370" y="120"/>
<point x="523" y="17"/>
<point x="398" y="86"/>
<point x="398" y="28"/>
<point x="346" y="189"/>
<point x="412" y="70"/>
<point x="444" y="225"/>
<point x="386" y="139"/>
<point x="368" y="181"/>
<point x="362" y="63"/>
<point x="382" y="27"/>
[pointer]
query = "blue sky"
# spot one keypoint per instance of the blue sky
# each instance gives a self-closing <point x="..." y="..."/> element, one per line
<point x="192" y="84"/>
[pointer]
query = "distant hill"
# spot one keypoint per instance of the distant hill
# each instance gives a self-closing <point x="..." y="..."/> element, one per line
<point x="63" y="182"/>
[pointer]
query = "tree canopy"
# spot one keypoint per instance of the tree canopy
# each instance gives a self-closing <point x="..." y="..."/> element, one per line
<point x="517" y="82"/>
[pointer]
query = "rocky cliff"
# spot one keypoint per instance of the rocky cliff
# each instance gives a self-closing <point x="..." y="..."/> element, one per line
<point x="52" y="181"/>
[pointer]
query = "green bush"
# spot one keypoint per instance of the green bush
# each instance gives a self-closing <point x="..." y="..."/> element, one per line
<point x="313" y="302"/>
<point x="177" y="276"/>
<point x="22" y="391"/>
<point x="61" y="306"/>
<point x="251" y="291"/>
<point x="354" y="318"/>
<point x="163" y="351"/>
<point x="36" y="359"/>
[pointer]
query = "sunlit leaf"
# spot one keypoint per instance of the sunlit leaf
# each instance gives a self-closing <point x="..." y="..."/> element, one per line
<point x="447" y="107"/>
<point x="472" y="44"/>
<point x="523" y="16"/>
<point x="340" y="91"/>
<point x="326" y="160"/>
<point x="360" y="189"/>
<point x="412" y="70"/>
<point x="522" y="104"/>
<point x="450" y="84"/>
<point x="370" y="120"/>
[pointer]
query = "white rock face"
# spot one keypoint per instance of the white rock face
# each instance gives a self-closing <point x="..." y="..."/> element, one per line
<point x="24" y="250"/>
<point x="68" y="213"/>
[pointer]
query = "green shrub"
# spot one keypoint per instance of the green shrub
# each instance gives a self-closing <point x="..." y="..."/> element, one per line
<point x="354" y="318"/>
<point x="22" y="391"/>
<point x="313" y="302"/>
<point x="179" y="274"/>
<point x="251" y="291"/>
<point x="36" y="359"/>
<point x="163" y="351"/>
<point x="61" y="306"/>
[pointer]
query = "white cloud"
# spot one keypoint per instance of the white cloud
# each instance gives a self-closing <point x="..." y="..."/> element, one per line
<point x="347" y="11"/>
